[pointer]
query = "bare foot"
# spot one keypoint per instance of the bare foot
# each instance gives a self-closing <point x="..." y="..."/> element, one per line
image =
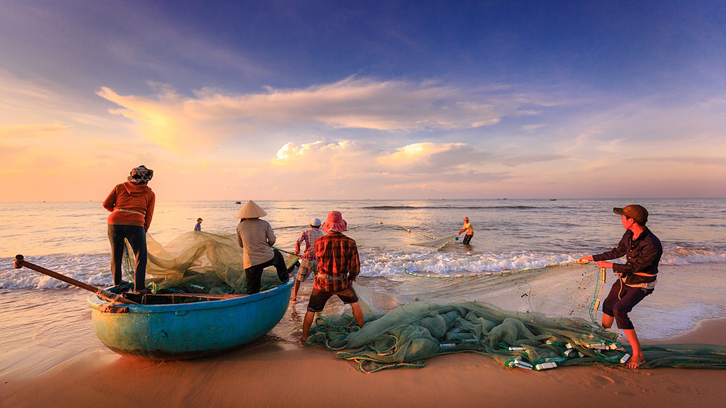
<point x="303" y="340"/>
<point x="635" y="362"/>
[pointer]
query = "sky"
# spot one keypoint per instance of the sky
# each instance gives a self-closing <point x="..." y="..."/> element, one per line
<point x="286" y="100"/>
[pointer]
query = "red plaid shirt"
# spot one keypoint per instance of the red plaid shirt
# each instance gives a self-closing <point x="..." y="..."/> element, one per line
<point x="338" y="261"/>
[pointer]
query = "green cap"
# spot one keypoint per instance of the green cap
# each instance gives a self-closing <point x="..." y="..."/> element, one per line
<point x="634" y="211"/>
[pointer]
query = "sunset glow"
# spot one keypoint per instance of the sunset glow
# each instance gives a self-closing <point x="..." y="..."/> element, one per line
<point x="363" y="100"/>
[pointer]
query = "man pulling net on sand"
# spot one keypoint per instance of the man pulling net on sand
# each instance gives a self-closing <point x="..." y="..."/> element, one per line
<point x="338" y="267"/>
<point x="637" y="275"/>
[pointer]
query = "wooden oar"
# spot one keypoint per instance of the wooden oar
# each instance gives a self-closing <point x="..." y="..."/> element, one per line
<point x="102" y="293"/>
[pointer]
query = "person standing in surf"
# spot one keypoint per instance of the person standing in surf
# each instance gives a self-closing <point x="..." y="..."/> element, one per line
<point x="132" y="207"/>
<point x="643" y="251"/>
<point x="308" y="263"/>
<point x="338" y="268"/>
<point x="469" y="231"/>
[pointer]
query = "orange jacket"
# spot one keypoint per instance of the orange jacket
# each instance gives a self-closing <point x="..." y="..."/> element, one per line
<point x="137" y="199"/>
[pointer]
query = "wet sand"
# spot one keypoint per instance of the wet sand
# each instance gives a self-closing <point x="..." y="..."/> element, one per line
<point x="278" y="372"/>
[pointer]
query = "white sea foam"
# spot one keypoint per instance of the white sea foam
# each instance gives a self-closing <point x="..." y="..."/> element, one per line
<point x="95" y="269"/>
<point x="386" y="264"/>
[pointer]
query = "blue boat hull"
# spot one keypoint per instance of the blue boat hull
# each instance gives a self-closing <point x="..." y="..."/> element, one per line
<point x="189" y="330"/>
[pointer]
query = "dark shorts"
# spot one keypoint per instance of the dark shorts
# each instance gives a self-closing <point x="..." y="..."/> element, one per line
<point x="620" y="302"/>
<point x="467" y="239"/>
<point x="318" y="298"/>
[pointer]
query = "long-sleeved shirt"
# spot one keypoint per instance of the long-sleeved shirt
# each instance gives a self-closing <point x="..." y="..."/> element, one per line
<point x="308" y="237"/>
<point x="338" y="262"/>
<point x="130" y="204"/>
<point x="642" y="257"/>
<point x="255" y="236"/>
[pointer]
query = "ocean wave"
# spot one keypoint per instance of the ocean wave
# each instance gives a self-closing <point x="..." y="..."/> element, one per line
<point x="93" y="269"/>
<point x="687" y="256"/>
<point x="464" y="207"/>
<point x="375" y="262"/>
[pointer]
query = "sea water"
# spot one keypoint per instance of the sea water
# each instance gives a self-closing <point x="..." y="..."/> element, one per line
<point x="71" y="238"/>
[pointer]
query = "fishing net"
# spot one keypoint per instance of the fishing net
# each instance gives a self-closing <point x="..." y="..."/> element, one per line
<point x="544" y="318"/>
<point x="199" y="262"/>
<point x="436" y="243"/>
<point x="409" y="334"/>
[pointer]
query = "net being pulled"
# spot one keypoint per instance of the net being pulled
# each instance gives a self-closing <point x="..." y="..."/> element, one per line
<point x="542" y="319"/>
<point x="408" y="335"/>
<point x="200" y="262"/>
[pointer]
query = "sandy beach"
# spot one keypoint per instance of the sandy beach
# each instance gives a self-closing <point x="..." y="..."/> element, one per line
<point x="50" y="355"/>
<point x="274" y="372"/>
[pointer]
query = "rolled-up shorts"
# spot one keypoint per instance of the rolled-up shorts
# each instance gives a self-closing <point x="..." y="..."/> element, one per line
<point x="307" y="267"/>
<point x="318" y="298"/>
<point x="620" y="302"/>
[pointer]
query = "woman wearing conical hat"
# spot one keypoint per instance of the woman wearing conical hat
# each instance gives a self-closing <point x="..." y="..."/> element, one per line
<point x="255" y="236"/>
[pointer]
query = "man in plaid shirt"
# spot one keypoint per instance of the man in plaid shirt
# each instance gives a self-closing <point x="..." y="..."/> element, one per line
<point x="338" y="267"/>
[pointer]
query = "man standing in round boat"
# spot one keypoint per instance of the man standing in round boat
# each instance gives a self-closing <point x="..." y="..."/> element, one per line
<point x="132" y="207"/>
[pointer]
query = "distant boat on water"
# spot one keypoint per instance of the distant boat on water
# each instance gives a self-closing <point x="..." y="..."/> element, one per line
<point x="553" y="199"/>
<point x="238" y="202"/>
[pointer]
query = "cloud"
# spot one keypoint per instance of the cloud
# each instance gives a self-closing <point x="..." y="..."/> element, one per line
<point x="166" y="121"/>
<point x="532" y="128"/>
<point x="171" y="119"/>
<point x="514" y="161"/>
<point x="31" y="130"/>
<point x="693" y="161"/>
<point x="354" y="169"/>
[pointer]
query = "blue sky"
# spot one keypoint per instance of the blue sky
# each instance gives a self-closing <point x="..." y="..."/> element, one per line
<point x="364" y="99"/>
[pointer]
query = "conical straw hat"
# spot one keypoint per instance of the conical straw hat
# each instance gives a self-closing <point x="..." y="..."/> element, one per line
<point x="250" y="210"/>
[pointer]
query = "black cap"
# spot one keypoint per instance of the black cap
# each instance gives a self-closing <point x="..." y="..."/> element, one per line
<point x="634" y="211"/>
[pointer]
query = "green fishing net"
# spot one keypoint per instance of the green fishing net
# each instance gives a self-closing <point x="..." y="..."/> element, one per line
<point x="199" y="262"/>
<point x="543" y="318"/>
<point x="407" y="335"/>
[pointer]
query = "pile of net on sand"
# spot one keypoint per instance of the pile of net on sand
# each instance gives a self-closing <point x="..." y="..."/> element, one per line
<point x="200" y="262"/>
<point x="534" y="318"/>
<point x="409" y="334"/>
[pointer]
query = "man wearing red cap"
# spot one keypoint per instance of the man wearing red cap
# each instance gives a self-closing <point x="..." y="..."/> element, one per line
<point x="637" y="276"/>
<point x="338" y="267"/>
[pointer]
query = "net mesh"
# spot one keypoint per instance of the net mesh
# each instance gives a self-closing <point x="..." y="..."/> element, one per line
<point x="409" y="334"/>
<point x="199" y="262"/>
<point x="543" y="318"/>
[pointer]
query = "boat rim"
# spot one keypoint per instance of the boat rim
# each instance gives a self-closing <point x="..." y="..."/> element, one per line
<point x="95" y="302"/>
